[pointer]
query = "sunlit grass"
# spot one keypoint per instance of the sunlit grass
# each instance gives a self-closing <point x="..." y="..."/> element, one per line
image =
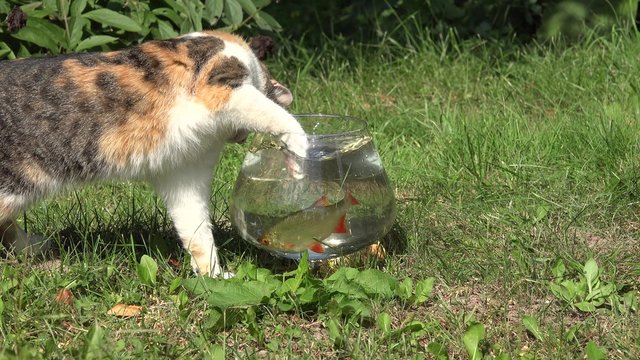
<point x="503" y="163"/>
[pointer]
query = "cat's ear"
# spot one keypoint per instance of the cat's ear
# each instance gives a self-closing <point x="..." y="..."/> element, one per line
<point x="281" y="94"/>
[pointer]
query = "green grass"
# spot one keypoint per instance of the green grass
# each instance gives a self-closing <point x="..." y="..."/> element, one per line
<point x="505" y="164"/>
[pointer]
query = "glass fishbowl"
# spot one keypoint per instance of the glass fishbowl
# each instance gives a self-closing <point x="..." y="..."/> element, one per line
<point x="341" y="203"/>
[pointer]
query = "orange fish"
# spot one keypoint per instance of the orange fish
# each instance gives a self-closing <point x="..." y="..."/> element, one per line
<point x="305" y="229"/>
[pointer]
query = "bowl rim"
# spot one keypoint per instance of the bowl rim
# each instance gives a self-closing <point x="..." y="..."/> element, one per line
<point x="363" y="125"/>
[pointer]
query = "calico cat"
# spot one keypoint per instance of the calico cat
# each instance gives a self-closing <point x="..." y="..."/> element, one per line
<point x="160" y="112"/>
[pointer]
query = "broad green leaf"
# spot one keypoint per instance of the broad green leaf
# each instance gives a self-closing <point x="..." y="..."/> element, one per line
<point x="307" y="295"/>
<point x="352" y="307"/>
<point x="630" y="300"/>
<point x="217" y="352"/>
<point x="377" y="283"/>
<point x="285" y="305"/>
<point x="561" y="292"/>
<point x="594" y="352"/>
<point x="412" y="327"/>
<point x="4" y="7"/>
<point x="424" y="289"/>
<point x="261" y="3"/>
<point x="384" y="323"/>
<point x="147" y="268"/>
<point x="343" y="273"/>
<point x="5" y="51"/>
<point x="93" y="41"/>
<point x="228" y="293"/>
<point x="63" y="9"/>
<point x="169" y="14"/>
<point x="570" y="334"/>
<point x="405" y="288"/>
<point x="212" y="318"/>
<point x="247" y="270"/>
<point x="213" y="11"/>
<point x="93" y="342"/>
<point x="177" y="6"/>
<point x="585" y="306"/>
<point x="77" y="7"/>
<point x="76" y="25"/>
<point x="335" y="333"/>
<point x="175" y="283"/>
<point x="1" y="307"/>
<point x="472" y="338"/>
<point x="112" y="18"/>
<point x="248" y="6"/>
<point x="233" y="11"/>
<point x="23" y="52"/>
<point x="532" y="325"/>
<point x="38" y="37"/>
<point x="591" y="273"/>
<point x="30" y="8"/>
<point x="345" y="286"/>
<point x="601" y="292"/>
<point x="8" y="284"/>
<point x="50" y="4"/>
<point x="186" y="26"/>
<point x="194" y="12"/>
<point x="559" y="269"/>
<point x="438" y="350"/>
<point x="267" y="22"/>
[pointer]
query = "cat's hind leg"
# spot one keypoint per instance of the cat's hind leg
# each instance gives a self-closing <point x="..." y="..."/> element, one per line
<point x="186" y="195"/>
<point x="14" y="239"/>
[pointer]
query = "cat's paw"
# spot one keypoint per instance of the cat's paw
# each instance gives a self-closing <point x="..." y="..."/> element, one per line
<point x="30" y="244"/>
<point x="297" y="146"/>
<point x="227" y="275"/>
<point x="206" y="268"/>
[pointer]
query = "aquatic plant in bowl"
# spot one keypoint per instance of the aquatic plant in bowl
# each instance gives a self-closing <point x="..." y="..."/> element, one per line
<point x="341" y="202"/>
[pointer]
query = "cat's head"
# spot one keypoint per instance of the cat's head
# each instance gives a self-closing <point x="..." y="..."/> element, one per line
<point x="228" y="60"/>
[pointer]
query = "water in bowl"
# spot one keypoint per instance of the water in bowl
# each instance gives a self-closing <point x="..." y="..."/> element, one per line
<point x="266" y="194"/>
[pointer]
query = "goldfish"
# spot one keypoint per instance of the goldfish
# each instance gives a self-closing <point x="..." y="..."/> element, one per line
<point x="306" y="228"/>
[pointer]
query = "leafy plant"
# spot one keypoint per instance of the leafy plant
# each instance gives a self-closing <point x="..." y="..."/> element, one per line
<point x="471" y="340"/>
<point x="533" y="326"/>
<point x="147" y="270"/>
<point x="594" y="352"/>
<point x="60" y="26"/>
<point x="588" y="293"/>
<point x="343" y="301"/>
<point x="577" y="19"/>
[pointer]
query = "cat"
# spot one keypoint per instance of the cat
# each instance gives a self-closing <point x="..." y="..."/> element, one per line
<point x="160" y="112"/>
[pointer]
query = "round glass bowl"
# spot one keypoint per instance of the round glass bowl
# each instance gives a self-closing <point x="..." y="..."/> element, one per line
<point x="342" y="202"/>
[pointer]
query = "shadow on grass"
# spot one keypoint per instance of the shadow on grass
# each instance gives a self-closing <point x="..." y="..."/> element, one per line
<point x="161" y="242"/>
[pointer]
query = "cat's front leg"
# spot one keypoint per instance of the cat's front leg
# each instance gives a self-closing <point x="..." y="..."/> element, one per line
<point x="185" y="193"/>
<point x="251" y="110"/>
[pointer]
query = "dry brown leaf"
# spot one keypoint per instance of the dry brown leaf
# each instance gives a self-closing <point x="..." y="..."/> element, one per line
<point x="377" y="250"/>
<point x="124" y="310"/>
<point x="64" y="297"/>
<point x="387" y="100"/>
<point x="174" y="263"/>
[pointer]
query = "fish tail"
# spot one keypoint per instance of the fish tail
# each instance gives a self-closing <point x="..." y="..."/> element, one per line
<point x="341" y="228"/>
<point x="317" y="247"/>
<point x="352" y="200"/>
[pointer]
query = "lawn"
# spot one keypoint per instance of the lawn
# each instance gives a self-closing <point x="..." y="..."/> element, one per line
<point x="517" y="177"/>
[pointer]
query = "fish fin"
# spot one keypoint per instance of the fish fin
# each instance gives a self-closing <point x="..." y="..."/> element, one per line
<point x="341" y="228"/>
<point x="322" y="202"/>
<point x="351" y="199"/>
<point x="317" y="247"/>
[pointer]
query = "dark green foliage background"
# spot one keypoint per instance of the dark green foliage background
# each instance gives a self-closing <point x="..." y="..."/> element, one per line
<point x="58" y="26"/>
